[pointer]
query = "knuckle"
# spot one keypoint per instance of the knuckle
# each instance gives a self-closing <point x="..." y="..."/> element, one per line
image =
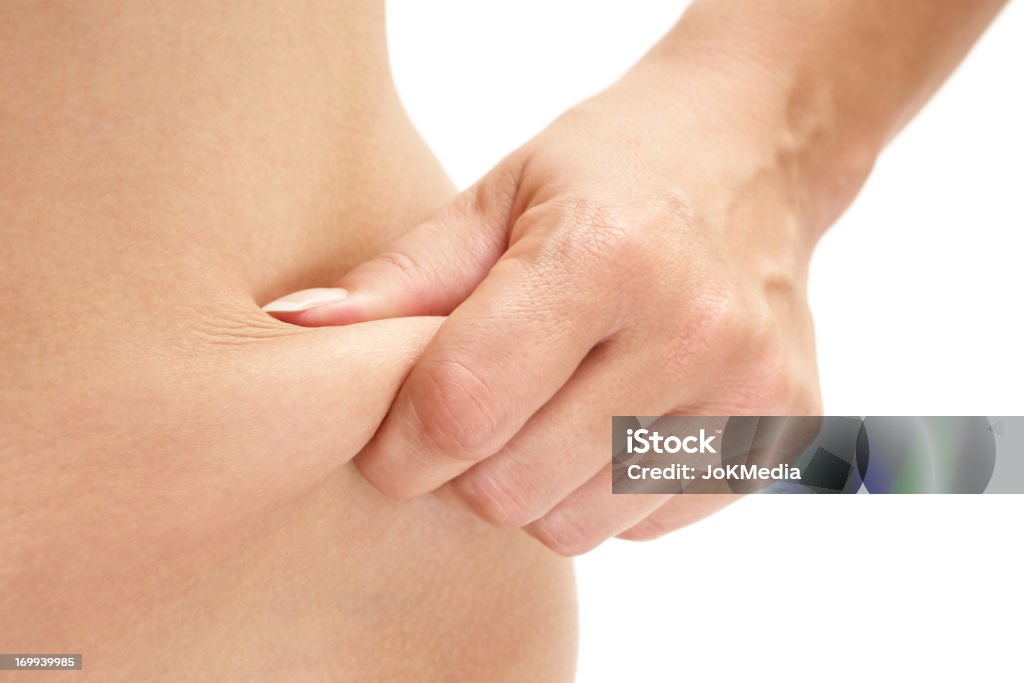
<point x="402" y="266"/>
<point x="729" y="318"/>
<point x="774" y="379"/>
<point x="597" y="241"/>
<point x="615" y="243"/>
<point x="605" y="236"/>
<point x="496" y="193"/>
<point x="770" y="388"/>
<point x="750" y="339"/>
<point x="496" y="500"/>
<point x="777" y="387"/>
<point x="714" y="323"/>
<point x="455" y="408"/>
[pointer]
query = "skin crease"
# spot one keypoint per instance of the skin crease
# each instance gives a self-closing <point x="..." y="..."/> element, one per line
<point x="178" y="498"/>
<point x="180" y="502"/>
<point x="646" y="254"/>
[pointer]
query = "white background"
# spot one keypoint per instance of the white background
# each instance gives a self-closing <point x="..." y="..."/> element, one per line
<point x="916" y="299"/>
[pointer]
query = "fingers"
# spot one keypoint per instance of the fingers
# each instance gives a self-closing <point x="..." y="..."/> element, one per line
<point x="592" y="514"/>
<point x="554" y="476"/>
<point x="503" y="353"/>
<point x="428" y="271"/>
<point x="498" y="358"/>
<point x="566" y="443"/>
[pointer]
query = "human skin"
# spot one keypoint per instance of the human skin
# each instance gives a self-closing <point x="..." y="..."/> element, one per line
<point x="646" y="254"/>
<point x="178" y="499"/>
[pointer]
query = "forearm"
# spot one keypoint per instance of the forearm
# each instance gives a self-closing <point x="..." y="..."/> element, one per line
<point x="831" y="82"/>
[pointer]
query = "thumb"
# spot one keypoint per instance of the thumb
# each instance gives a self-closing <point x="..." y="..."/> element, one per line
<point x="428" y="271"/>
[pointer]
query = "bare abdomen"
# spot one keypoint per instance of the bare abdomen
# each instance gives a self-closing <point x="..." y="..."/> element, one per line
<point x="166" y="165"/>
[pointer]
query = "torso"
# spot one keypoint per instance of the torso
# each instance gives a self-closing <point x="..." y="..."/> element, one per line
<point x="166" y="170"/>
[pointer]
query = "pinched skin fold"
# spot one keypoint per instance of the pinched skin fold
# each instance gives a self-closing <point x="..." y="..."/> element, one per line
<point x="178" y="500"/>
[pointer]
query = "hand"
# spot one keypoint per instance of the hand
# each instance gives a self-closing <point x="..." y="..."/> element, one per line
<point x="646" y="254"/>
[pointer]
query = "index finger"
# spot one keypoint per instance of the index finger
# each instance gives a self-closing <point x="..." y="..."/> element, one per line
<point x="498" y="358"/>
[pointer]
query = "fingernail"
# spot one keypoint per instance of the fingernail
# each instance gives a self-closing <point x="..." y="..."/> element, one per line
<point x="306" y="299"/>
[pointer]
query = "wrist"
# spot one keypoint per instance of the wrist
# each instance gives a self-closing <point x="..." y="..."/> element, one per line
<point x="759" y="117"/>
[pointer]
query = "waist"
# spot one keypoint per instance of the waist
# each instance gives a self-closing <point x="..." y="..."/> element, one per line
<point x="173" y="164"/>
<point x="334" y="583"/>
<point x="189" y="150"/>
